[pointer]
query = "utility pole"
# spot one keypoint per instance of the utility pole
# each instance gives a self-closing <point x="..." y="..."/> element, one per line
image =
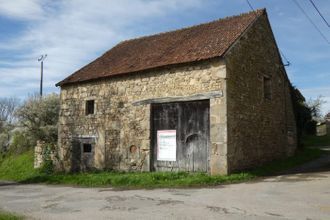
<point x="41" y="59"/>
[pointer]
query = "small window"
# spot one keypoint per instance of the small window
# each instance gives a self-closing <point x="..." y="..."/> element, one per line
<point x="267" y="88"/>
<point x="90" y="107"/>
<point x="87" y="148"/>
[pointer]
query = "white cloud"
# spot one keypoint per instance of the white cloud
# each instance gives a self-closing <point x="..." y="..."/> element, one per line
<point x="72" y="33"/>
<point x="323" y="75"/>
<point x="21" y="9"/>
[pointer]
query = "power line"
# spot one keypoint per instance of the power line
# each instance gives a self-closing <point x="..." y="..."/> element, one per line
<point x="311" y="21"/>
<point x="281" y="53"/>
<point x="318" y="11"/>
<point x="251" y="7"/>
<point x="247" y="1"/>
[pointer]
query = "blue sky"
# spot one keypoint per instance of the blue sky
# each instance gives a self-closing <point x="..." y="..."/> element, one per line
<point x="75" y="32"/>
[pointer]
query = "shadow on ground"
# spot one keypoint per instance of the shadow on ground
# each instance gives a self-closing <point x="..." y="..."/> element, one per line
<point x="8" y="183"/>
<point x="307" y="172"/>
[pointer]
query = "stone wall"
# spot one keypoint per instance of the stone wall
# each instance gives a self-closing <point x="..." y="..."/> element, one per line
<point x="42" y="151"/>
<point x="259" y="129"/>
<point x="38" y="155"/>
<point x="121" y="130"/>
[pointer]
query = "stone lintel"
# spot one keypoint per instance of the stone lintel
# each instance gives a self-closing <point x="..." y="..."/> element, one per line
<point x="200" y="96"/>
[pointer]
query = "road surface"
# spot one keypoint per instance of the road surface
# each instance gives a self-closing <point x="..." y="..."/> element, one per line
<point x="295" y="196"/>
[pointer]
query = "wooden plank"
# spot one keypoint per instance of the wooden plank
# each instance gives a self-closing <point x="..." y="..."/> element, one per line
<point x="196" y="97"/>
<point x="75" y="156"/>
<point x="195" y="126"/>
<point x="164" y="117"/>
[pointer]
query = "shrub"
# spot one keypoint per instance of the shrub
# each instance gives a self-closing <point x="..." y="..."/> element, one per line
<point x="311" y="127"/>
<point x="48" y="164"/>
<point x="40" y="116"/>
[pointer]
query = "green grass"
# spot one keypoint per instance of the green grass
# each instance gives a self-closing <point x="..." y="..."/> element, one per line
<point x="140" y="180"/>
<point x="316" y="141"/>
<point x="20" y="168"/>
<point x="9" y="216"/>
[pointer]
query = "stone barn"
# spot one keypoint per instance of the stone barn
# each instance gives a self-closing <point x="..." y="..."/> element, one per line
<point x="213" y="98"/>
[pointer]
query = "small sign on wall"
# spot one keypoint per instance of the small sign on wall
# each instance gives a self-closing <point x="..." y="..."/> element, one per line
<point x="166" y="145"/>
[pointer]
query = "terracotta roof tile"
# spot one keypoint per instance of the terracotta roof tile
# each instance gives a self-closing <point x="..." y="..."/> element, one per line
<point x="185" y="45"/>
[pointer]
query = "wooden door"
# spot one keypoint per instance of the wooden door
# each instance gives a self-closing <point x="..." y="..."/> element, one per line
<point x="82" y="154"/>
<point x="190" y="122"/>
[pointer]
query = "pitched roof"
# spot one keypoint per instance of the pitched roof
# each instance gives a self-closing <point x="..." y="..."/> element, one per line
<point x="185" y="45"/>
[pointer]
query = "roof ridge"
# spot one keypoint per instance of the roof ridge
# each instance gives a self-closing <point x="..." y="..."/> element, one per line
<point x="257" y="11"/>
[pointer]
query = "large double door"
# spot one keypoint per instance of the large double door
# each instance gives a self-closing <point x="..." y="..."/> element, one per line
<point x="180" y="136"/>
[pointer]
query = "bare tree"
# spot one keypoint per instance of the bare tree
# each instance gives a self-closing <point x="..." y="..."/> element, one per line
<point x="7" y="109"/>
<point x="315" y="106"/>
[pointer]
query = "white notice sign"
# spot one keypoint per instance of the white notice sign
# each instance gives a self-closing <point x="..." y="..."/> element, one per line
<point x="166" y="145"/>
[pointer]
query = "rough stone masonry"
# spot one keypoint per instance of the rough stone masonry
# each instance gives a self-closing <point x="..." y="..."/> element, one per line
<point x="118" y="124"/>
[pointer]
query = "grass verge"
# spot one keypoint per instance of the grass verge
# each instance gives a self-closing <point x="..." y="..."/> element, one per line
<point x="20" y="168"/>
<point x="9" y="216"/>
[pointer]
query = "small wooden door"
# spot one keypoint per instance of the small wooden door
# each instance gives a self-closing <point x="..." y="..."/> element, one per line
<point x="190" y="121"/>
<point x="82" y="154"/>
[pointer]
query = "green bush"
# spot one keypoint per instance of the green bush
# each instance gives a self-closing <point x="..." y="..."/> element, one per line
<point x="47" y="165"/>
<point x="311" y="127"/>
